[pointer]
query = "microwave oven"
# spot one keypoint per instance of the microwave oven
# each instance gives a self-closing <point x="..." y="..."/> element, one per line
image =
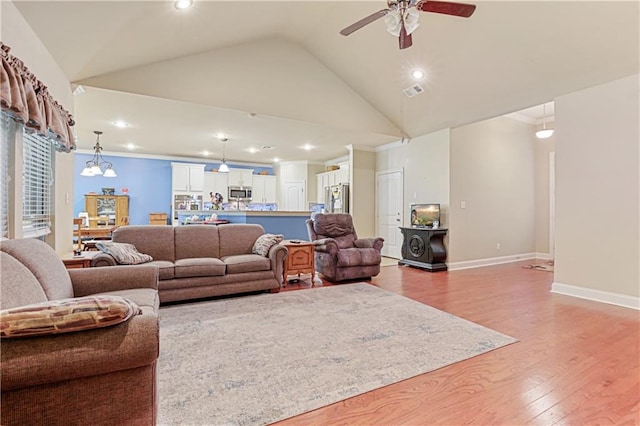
<point x="239" y="193"/>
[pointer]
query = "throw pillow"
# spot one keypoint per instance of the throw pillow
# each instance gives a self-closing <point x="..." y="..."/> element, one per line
<point x="66" y="315"/>
<point x="124" y="253"/>
<point x="264" y="243"/>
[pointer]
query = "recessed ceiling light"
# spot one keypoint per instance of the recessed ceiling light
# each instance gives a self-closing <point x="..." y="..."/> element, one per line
<point x="205" y="152"/>
<point x="130" y="146"/>
<point x="222" y="136"/>
<point x="275" y="160"/>
<point x="183" y="4"/>
<point x="121" y="124"/>
<point x="417" y="74"/>
<point x="307" y="147"/>
<point x="252" y="150"/>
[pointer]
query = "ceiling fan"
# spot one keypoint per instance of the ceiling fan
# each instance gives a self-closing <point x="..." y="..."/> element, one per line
<point x="402" y="16"/>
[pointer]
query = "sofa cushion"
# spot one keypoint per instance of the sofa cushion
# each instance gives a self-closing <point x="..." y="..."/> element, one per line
<point x="264" y="243"/>
<point x="44" y="263"/>
<point x="154" y="240"/>
<point x="199" y="267"/>
<point x="358" y="257"/>
<point x="196" y="241"/>
<point x="29" y="291"/>
<point x="246" y="263"/>
<point x="166" y="269"/>
<point x="66" y="315"/>
<point x="123" y="253"/>
<point x="238" y="238"/>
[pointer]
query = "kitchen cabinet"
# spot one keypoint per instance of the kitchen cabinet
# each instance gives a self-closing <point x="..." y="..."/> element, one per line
<point x="240" y="177"/>
<point x="187" y="177"/>
<point x="115" y="207"/>
<point x="334" y="177"/>
<point x="264" y="189"/>
<point x="216" y="182"/>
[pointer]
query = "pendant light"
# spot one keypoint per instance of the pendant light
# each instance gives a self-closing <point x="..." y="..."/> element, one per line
<point x="223" y="167"/>
<point x="97" y="163"/>
<point x="544" y="133"/>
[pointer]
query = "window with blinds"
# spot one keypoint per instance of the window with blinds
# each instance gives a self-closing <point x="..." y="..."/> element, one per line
<point x="37" y="185"/>
<point x="7" y="130"/>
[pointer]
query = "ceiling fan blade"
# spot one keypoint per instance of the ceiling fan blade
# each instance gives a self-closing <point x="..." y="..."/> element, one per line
<point x="364" y="21"/>
<point x="448" y="8"/>
<point x="404" y="39"/>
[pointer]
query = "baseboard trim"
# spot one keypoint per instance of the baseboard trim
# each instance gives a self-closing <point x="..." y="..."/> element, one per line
<point x="455" y="266"/>
<point x="596" y="295"/>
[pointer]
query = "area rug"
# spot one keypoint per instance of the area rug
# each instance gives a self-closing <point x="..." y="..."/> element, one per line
<point x="253" y="360"/>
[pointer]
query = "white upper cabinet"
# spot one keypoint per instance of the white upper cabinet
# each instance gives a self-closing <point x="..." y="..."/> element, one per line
<point x="264" y="189"/>
<point x="241" y="177"/>
<point x="187" y="177"/>
<point x="216" y="182"/>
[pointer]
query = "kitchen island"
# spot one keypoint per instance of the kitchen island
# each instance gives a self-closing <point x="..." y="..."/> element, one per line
<point x="291" y="224"/>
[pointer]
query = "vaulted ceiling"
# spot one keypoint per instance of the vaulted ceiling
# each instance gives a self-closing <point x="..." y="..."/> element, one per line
<point x="276" y="75"/>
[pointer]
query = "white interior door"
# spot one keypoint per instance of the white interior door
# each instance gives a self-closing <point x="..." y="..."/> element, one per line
<point x="390" y="211"/>
<point x="294" y="196"/>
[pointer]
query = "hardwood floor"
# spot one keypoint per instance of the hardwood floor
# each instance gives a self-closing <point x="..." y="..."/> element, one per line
<point x="576" y="362"/>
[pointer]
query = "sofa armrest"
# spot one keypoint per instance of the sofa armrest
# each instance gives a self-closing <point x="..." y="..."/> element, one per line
<point x="375" y="243"/>
<point x="87" y="281"/>
<point x="278" y="255"/>
<point x="33" y="361"/>
<point x="326" y="245"/>
<point x="103" y="259"/>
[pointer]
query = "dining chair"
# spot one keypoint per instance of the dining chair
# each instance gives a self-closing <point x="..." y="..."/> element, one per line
<point x="77" y="231"/>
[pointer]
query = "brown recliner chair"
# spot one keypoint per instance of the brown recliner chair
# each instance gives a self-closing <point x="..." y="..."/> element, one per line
<point x="339" y="254"/>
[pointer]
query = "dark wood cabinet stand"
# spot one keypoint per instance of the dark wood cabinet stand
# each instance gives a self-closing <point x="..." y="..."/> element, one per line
<point x="424" y="248"/>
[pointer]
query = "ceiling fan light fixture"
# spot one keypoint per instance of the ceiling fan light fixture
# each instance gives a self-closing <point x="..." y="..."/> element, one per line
<point x="393" y="22"/>
<point x="411" y="20"/>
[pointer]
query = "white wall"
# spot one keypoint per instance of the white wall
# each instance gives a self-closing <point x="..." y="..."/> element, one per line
<point x="425" y="162"/>
<point x="597" y="193"/>
<point x="26" y="46"/>
<point x="493" y="173"/>
<point x="362" y="196"/>
<point x="543" y="149"/>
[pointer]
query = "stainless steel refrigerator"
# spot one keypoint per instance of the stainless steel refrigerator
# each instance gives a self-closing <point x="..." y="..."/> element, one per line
<point x="336" y="198"/>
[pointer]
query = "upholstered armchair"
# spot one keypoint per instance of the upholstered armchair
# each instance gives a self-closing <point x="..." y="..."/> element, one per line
<point x="79" y="346"/>
<point x="339" y="254"/>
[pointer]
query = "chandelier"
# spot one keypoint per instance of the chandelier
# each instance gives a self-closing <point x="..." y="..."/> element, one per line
<point x="95" y="166"/>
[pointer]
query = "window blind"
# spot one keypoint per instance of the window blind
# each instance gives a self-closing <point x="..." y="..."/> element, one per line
<point x="7" y="130"/>
<point x="37" y="186"/>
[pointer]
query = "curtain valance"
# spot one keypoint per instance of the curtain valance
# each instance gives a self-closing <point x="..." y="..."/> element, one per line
<point x="27" y="100"/>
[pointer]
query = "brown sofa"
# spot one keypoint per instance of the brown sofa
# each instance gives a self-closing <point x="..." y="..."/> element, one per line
<point x="99" y="376"/>
<point x="339" y="254"/>
<point x="199" y="261"/>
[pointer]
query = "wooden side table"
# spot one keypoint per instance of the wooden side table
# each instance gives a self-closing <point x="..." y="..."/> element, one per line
<point x="300" y="259"/>
<point x="74" y="262"/>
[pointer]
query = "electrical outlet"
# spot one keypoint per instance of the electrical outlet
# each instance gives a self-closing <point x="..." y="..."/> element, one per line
<point x="498" y="246"/>
<point x="463" y="205"/>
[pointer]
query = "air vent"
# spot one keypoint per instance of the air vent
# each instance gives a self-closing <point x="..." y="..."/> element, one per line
<point x="413" y="90"/>
<point x="266" y="147"/>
